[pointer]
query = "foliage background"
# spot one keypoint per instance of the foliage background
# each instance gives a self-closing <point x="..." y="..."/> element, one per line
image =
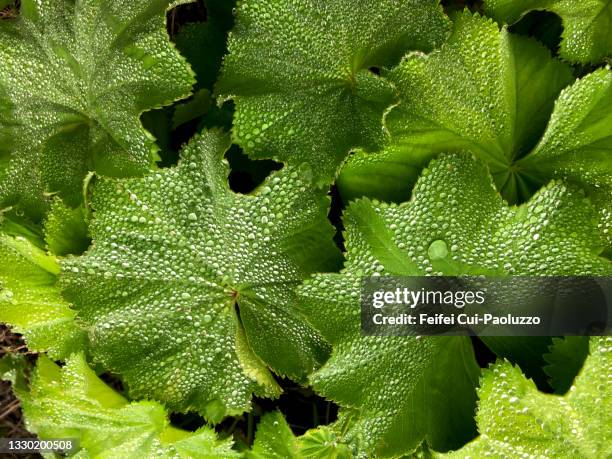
<point x="302" y="408"/>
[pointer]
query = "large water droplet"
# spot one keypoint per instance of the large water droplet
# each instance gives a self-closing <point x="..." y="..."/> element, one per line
<point x="437" y="250"/>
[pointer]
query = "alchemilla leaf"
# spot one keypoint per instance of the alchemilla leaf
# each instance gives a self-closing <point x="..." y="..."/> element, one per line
<point x="503" y="98"/>
<point x="275" y="440"/>
<point x="516" y="420"/>
<point x="587" y="34"/>
<point x="187" y="289"/>
<point x="75" y="77"/>
<point x="176" y="177"/>
<point x="31" y="300"/>
<point x="485" y="91"/>
<point x="299" y="73"/>
<point x="456" y="223"/>
<point x="73" y="403"/>
<point x="577" y="144"/>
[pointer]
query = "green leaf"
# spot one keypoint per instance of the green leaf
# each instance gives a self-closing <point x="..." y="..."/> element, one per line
<point x="274" y="439"/>
<point x="400" y="386"/>
<point x="579" y="134"/>
<point x="66" y="229"/>
<point x="514" y="419"/>
<point x="187" y="289"/>
<point x="509" y="118"/>
<point x="587" y="34"/>
<point x="12" y="366"/>
<point x="388" y="175"/>
<point x="485" y="91"/>
<point x="299" y="74"/>
<point x="601" y="199"/>
<point x="31" y="301"/>
<point x="15" y="223"/>
<point x="75" y="78"/>
<point x="323" y="443"/>
<point x="565" y="359"/>
<point x="72" y="402"/>
<point x="527" y="352"/>
<point x="203" y="44"/>
<point x="577" y="144"/>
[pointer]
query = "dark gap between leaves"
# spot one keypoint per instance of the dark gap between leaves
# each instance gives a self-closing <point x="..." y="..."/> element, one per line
<point x="335" y="216"/>
<point x="247" y="174"/>
<point x="301" y="407"/>
<point x="544" y="26"/>
<point x="458" y="5"/>
<point x="113" y="381"/>
<point x="185" y="14"/>
<point x="484" y="355"/>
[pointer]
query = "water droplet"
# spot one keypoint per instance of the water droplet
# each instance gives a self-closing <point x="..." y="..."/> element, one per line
<point x="437" y="250"/>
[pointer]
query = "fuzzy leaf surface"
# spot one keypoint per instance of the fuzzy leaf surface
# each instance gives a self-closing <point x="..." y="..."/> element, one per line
<point x="400" y="386"/>
<point x="74" y="80"/>
<point x="275" y="440"/>
<point x="587" y="34"/>
<point x="515" y="419"/>
<point x="502" y="97"/>
<point x="324" y="442"/>
<point x="31" y="301"/>
<point x="188" y="287"/>
<point x="72" y="402"/>
<point x="298" y="72"/>
<point x="577" y="144"/>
